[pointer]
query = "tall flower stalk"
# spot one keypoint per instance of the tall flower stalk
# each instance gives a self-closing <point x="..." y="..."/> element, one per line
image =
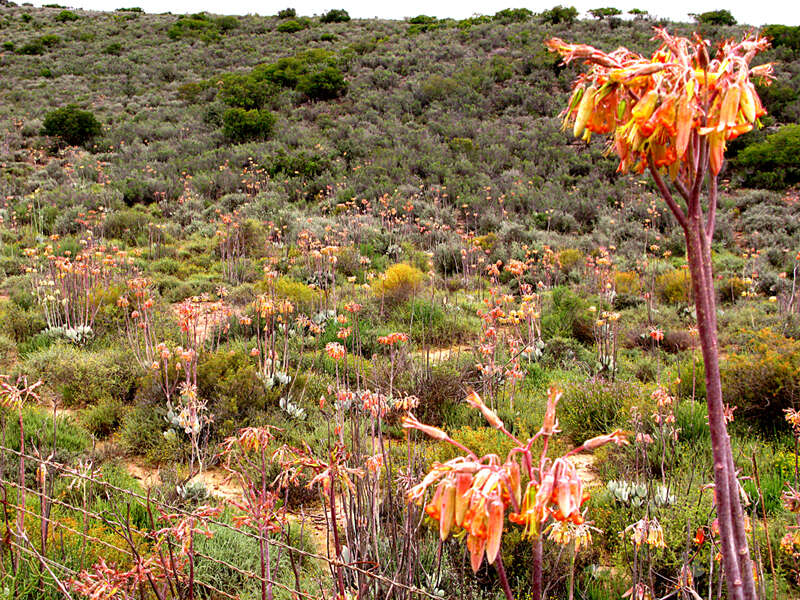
<point x="672" y="115"/>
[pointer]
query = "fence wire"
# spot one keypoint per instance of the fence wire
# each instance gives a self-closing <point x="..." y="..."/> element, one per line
<point x="16" y="540"/>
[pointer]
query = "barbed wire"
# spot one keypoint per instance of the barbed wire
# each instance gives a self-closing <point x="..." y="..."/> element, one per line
<point x="149" y="500"/>
<point x="144" y="534"/>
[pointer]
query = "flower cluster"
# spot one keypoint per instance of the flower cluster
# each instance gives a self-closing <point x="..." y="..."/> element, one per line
<point x="471" y="496"/>
<point x="335" y="350"/>
<point x="393" y="338"/>
<point x="560" y="495"/>
<point x="653" y="106"/>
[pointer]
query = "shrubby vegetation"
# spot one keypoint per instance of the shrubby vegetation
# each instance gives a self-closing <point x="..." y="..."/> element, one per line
<point x="338" y="205"/>
<point x="71" y="125"/>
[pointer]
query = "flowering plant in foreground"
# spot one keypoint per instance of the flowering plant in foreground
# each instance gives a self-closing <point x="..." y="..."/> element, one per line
<point x="672" y="114"/>
<point x="474" y="494"/>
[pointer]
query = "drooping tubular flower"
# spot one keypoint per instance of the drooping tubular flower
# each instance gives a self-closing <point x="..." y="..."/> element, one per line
<point x="559" y="494"/>
<point x="659" y="107"/>
<point x="472" y="495"/>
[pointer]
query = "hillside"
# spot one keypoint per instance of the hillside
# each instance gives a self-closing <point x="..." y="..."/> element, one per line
<point x="242" y="255"/>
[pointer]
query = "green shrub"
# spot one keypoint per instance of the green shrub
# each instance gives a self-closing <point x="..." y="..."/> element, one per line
<point x="422" y="20"/>
<point x="336" y="15"/>
<point x="691" y="419"/>
<point x="692" y="382"/>
<point x="82" y="376"/>
<point x="565" y="353"/>
<point x="104" y="418"/>
<point x="71" y="124"/>
<point x="50" y="40"/>
<point x="513" y="15"/>
<point x="438" y="391"/>
<point x="227" y="23"/>
<point x="324" y="84"/>
<point x="293" y="25"/>
<point x="674" y="286"/>
<point x="20" y="323"/>
<point x="125" y="223"/>
<point x="284" y="72"/>
<point x="764" y="380"/>
<point x="38" y="425"/>
<point x="783" y="35"/>
<point x="561" y="314"/>
<point x="595" y="407"/>
<point x="715" y="17"/>
<point x="195" y="91"/>
<point x="142" y="431"/>
<point x="244" y="91"/>
<point x="227" y="546"/>
<point x="32" y="48"/>
<point x="605" y="12"/>
<point x="303" y="296"/>
<point x="287" y="13"/>
<point x="773" y="163"/>
<point x="731" y="289"/>
<point x="241" y="125"/>
<point x="627" y="283"/>
<point x="447" y="258"/>
<point x="559" y="14"/>
<point x="66" y="15"/>
<point x="8" y="349"/>
<point x="235" y="394"/>
<point x="569" y="259"/>
<point x="197" y="26"/>
<point x="114" y="49"/>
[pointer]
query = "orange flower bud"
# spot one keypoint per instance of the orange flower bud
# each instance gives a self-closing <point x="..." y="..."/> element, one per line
<point x="495" y="525"/>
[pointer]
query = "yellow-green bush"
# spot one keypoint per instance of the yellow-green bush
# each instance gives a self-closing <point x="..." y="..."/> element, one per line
<point x="487" y="242"/>
<point x="569" y="258"/>
<point x="300" y="294"/>
<point x="673" y="286"/>
<point x="399" y="283"/>
<point x="627" y="282"/>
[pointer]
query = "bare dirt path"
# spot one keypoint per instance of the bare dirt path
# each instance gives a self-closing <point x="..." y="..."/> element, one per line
<point x="312" y="519"/>
<point x="440" y="355"/>
<point x="584" y="464"/>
